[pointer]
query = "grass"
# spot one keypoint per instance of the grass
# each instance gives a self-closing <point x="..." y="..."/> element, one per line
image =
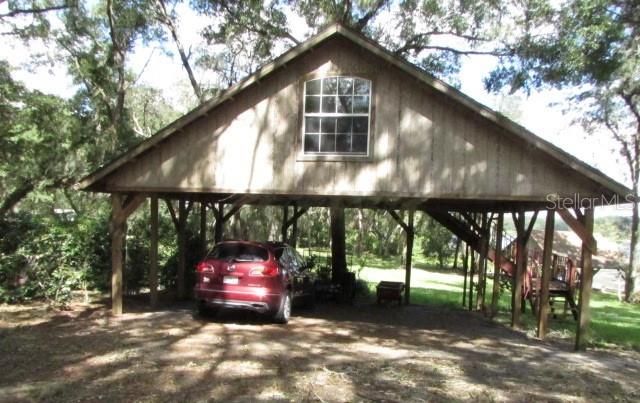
<point x="613" y="324"/>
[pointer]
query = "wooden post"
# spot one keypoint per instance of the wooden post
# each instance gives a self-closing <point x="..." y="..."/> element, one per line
<point x="465" y="267"/>
<point x="471" y="274"/>
<point x="182" y="247"/>
<point x="117" y="234"/>
<point x="219" y="228"/>
<point x="407" y="269"/>
<point x="586" y="281"/>
<point x="203" y="229"/>
<point x="482" y="266"/>
<point x="497" y="266"/>
<point x="293" y="240"/>
<point x="153" y="253"/>
<point x="518" y="276"/>
<point x="543" y="297"/>
<point x="121" y="208"/>
<point x="285" y="218"/>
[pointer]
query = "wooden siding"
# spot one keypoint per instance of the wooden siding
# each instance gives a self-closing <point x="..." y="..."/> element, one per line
<point x="423" y="144"/>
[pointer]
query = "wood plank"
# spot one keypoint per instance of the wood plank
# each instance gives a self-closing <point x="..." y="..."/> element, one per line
<point x="182" y="248"/>
<point x="407" y="267"/>
<point x="465" y="268"/>
<point x="587" y="238"/>
<point x="586" y="281"/>
<point x="547" y="268"/>
<point x="117" y="241"/>
<point x="203" y="229"/>
<point x="518" y="276"/>
<point x="153" y="252"/>
<point x="497" y="262"/>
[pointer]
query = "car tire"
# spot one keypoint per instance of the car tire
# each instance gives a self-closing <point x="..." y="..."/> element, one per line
<point x="284" y="311"/>
<point x="203" y="311"/>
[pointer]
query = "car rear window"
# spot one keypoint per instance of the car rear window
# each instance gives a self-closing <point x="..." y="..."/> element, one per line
<point x="239" y="252"/>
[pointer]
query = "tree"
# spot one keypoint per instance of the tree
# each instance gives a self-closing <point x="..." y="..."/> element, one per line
<point x="39" y="142"/>
<point x="591" y="45"/>
<point x="437" y="241"/>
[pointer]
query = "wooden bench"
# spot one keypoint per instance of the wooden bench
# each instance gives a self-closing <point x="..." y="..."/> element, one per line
<point x="389" y="291"/>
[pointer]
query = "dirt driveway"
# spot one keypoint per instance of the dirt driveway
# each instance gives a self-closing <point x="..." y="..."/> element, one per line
<point x="335" y="353"/>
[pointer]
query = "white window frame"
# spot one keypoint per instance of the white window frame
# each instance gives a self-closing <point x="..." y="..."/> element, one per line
<point x="336" y="114"/>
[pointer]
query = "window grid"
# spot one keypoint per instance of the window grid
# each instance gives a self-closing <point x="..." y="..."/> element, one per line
<point x="336" y="115"/>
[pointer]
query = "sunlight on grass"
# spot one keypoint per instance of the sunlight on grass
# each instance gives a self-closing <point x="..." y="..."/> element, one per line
<point x="613" y="324"/>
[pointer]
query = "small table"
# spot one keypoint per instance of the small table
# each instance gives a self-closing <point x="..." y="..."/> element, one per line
<point x="389" y="291"/>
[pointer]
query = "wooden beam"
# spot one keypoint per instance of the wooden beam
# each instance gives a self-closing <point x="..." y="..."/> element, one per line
<point x="407" y="268"/>
<point x="153" y="252"/>
<point x="518" y="276"/>
<point x="399" y="220"/>
<point x="234" y="209"/>
<point x="471" y="221"/>
<point x="547" y="268"/>
<point x="472" y="273"/>
<point x="203" y="229"/>
<point x="182" y="247"/>
<point x="121" y="208"/>
<point x="172" y="212"/>
<point x="465" y="268"/>
<point x="129" y="205"/>
<point x="285" y="219"/>
<point x="117" y="241"/>
<point x="297" y="213"/>
<point x="527" y="233"/>
<point x="219" y="225"/>
<point x="482" y="258"/>
<point x="583" y="233"/>
<point x="497" y="264"/>
<point x="586" y="281"/>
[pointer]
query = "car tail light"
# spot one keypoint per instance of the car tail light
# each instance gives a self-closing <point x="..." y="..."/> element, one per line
<point x="264" y="271"/>
<point x="204" y="267"/>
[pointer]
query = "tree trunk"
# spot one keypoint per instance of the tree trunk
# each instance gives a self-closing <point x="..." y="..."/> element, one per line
<point x="632" y="276"/>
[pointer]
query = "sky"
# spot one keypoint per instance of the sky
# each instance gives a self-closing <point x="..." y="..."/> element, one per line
<point x="541" y="112"/>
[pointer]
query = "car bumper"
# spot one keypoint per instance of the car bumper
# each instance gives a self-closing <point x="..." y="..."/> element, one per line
<point x="252" y="300"/>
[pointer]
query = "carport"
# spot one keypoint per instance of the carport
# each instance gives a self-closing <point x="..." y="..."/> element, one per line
<point x="340" y="122"/>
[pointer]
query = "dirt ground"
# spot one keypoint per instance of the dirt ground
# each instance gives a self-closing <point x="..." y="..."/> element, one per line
<point x="335" y="353"/>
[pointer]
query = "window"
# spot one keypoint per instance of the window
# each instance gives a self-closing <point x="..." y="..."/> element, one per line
<point x="336" y="116"/>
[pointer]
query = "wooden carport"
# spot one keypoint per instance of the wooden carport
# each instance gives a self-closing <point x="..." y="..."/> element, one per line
<point x="430" y="148"/>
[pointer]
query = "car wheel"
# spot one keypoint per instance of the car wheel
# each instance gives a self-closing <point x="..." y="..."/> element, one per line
<point x="203" y="311"/>
<point x="284" y="312"/>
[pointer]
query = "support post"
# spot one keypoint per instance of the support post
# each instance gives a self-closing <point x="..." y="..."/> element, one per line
<point x="471" y="274"/>
<point x="121" y="208"/>
<point x="518" y="276"/>
<point x="153" y="253"/>
<point x="203" y="229"/>
<point x="586" y="280"/>
<point x="465" y="267"/>
<point x="293" y="240"/>
<point x="407" y="269"/>
<point x="219" y="227"/>
<point x="117" y="240"/>
<point x="497" y="266"/>
<point x="182" y="247"/>
<point x="285" y="219"/>
<point x="482" y="260"/>
<point x="543" y="297"/>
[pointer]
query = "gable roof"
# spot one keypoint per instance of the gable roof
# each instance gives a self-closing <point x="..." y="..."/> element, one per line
<point x="90" y="181"/>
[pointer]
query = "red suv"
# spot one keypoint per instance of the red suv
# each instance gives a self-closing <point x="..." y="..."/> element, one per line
<point x="261" y="277"/>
